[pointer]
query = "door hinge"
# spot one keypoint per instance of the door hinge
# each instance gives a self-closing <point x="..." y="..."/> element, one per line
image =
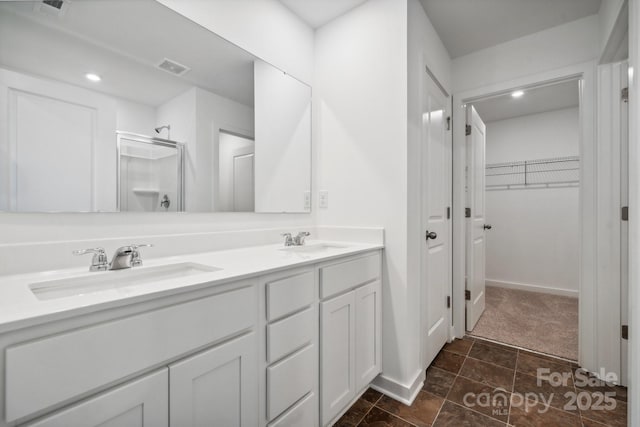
<point x="449" y="123"/>
<point x="448" y="212"/>
<point x="467" y="130"/>
<point x="625" y="213"/>
<point x="625" y="332"/>
<point x="624" y="94"/>
<point x="467" y="212"/>
<point x="467" y="295"/>
<point x="448" y="302"/>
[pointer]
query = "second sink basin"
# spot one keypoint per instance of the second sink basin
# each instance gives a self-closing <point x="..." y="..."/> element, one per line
<point x="101" y="281"/>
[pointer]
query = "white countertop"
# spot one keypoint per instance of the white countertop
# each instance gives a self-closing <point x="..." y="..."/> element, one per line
<point x="19" y="307"/>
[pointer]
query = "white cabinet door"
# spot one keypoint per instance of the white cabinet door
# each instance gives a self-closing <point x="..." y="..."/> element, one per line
<point x="218" y="387"/>
<point x="337" y="340"/>
<point x="476" y="242"/>
<point x="138" y="403"/>
<point x="368" y="334"/>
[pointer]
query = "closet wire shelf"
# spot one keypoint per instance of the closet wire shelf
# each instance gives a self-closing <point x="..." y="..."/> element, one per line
<point x="541" y="173"/>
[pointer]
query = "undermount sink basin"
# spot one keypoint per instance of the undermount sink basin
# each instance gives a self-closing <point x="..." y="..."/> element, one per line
<point x="105" y="280"/>
<point x="315" y="247"/>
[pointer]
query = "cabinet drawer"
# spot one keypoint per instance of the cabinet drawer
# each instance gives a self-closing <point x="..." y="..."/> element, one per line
<point x="288" y="295"/>
<point x="51" y="370"/>
<point x="338" y="278"/>
<point x="302" y="414"/>
<point x="289" y="380"/>
<point x="289" y="334"/>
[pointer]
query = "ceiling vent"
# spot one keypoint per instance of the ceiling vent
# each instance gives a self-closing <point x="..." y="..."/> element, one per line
<point x="173" y="67"/>
<point x="52" y="7"/>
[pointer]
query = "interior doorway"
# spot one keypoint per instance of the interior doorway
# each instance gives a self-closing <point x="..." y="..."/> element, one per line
<point x="236" y="168"/>
<point x="523" y="217"/>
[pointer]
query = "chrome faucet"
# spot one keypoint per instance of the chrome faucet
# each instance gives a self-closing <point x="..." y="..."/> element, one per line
<point x="295" y="241"/>
<point x="299" y="239"/>
<point x="127" y="257"/>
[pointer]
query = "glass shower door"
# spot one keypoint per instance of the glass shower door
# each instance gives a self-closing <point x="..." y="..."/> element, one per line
<point x="150" y="174"/>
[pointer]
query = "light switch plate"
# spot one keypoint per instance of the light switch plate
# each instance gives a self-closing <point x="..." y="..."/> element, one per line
<point x="324" y="199"/>
<point x="307" y="200"/>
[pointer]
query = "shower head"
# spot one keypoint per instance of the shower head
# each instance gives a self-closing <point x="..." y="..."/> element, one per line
<point x="167" y="127"/>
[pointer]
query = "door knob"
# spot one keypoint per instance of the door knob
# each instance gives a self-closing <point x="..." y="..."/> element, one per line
<point x="487" y="226"/>
<point x="431" y="235"/>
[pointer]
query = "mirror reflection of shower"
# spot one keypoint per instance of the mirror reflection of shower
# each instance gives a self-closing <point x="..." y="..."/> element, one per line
<point x="167" y="127"/>
<point x="150" y="174"/>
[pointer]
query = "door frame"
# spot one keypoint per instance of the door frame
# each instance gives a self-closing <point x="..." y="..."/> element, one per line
<point x="447" y="100"/>
<point x="586" y="72"/>
<point x="634" y="212"/>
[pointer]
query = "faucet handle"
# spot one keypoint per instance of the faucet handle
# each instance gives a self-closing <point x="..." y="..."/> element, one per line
<point x="288" y="240"/>
<point x="141" y="245"/>
<point x="99" y="261"/>
<point x="136" y="261"/>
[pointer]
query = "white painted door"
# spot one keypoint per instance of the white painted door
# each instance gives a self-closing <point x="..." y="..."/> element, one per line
<point x="217" y="387"/>
<point x="54" y="155"/>
<point x="436" y="202"/>
<point x="58" y="150"/>
<point x="138" y="403"/>
<point x="476" y="244"/>
<point x="368" y="334"/>
<point x="243" y="183"/>
<point x="337" y="361"/>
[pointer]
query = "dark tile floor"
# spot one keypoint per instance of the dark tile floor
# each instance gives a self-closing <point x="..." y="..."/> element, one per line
<point x="479" y="383"/>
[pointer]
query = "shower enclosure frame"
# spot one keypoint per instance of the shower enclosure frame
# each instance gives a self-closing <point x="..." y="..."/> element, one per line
<point x="179" y="146"/>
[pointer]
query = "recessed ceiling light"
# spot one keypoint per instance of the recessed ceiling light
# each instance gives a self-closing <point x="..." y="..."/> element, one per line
<point x="517" y="93"/>
<point x="93" y="77"/>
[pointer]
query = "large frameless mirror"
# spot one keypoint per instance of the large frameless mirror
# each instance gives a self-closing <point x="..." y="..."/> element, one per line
<point x="128" y="106"/>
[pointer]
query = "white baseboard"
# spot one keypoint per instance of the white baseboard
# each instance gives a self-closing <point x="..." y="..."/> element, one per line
<point x="532" y="288"/>
<point x="401" y="392"/>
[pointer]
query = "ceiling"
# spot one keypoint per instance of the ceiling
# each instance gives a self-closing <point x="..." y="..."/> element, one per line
<point x="123" y="41"/>
<point x="466" y="26"/>
<point x="316" y="13"/>
<point x="534" y="101"/>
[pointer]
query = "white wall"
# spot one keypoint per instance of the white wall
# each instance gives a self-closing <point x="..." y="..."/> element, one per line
<point x="572" y="43"/>
<point x="534" y="243"/>
<point x="283" y="135"/>
<point x="368" y="67"/>
<point x="360" y="133"/>
<point x="265" y="28"/>
<point x="607" y="16"/>
<point x="135" y="117"/>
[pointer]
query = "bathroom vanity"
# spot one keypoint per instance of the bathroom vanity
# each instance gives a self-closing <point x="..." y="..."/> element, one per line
<point x="259" y="336"/>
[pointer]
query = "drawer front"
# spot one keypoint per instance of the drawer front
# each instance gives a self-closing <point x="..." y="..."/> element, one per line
<point x="341" y="277"/>
<point x="302" y="414"/>
<point x="49" y="371"/>
<point x="290" y="334"/>
<point x="289" y="380"/>
<point x="289" y="295"/>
